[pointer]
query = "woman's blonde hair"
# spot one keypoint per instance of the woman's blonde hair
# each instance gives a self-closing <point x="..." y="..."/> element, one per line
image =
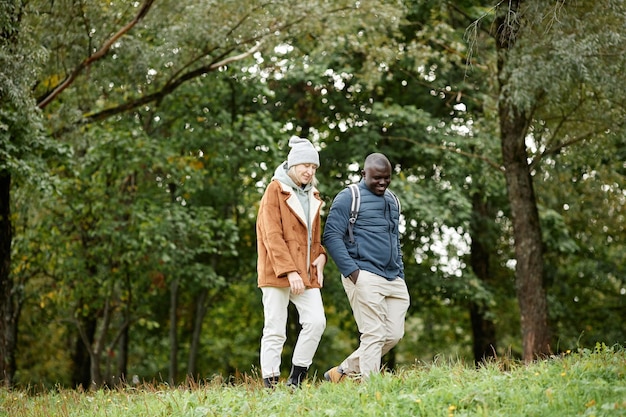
<point x="292" y="174"/>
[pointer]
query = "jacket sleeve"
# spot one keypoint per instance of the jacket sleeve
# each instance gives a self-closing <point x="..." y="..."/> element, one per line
<point x="399" y="260"/>
<point x="271" y="231"/>
<point x="399" y="256"/>
<point x="335" y="231"/>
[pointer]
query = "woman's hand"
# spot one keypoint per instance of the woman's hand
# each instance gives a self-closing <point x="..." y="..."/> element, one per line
<point x="295" y="283"/>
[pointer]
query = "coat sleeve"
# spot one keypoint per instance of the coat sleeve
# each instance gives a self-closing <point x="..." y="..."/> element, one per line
<point x="317" y="227"/>
<point x="271" y="231"/>
<point x="335" y="231"/>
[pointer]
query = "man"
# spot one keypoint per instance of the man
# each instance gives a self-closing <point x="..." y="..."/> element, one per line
<point x="371" y="267"/>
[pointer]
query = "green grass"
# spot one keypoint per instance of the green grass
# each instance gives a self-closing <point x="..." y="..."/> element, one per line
<point x="588" y="383"/>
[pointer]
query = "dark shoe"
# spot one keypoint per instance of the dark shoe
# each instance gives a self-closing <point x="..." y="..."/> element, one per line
<point x="298" y="373"/>
<point x="270" y="382"/>
<point x="335" y="375"/>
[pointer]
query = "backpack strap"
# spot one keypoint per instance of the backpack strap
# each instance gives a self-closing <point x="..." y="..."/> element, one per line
<point x="397" y="201"/>
<point x="356" y="203"/>
<point x="354" y="208"/>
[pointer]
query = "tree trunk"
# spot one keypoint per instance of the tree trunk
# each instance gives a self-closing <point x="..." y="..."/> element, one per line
<point x="81" y="359"/>
<point x="122" y="357"/>
<point x="9" y="309"/>
<point x="121" y="368"/>
<point x="529" y="279"/>
<point x="173" y="368"/>
<point x="99" y="347"/>
<point x="202" y="306"/>
<point x="97" y="381"/>
<point x="201" y="309"/>
<point x="484" y="345"/>
<point x="483" y="329"/>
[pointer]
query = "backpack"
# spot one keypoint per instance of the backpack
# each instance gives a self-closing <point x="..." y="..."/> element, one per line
<point x="356" y="204"/>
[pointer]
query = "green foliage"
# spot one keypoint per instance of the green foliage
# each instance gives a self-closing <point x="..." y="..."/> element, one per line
<point x="23" y="146"/>
<point x="569" y="52"/>
<point x="586" y="198"/>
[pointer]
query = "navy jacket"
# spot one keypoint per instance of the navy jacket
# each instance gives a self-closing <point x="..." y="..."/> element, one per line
<point x="377" y="239"/>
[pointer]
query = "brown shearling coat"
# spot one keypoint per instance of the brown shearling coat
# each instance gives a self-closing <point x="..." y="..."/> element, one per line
<point x="282" y="237"/>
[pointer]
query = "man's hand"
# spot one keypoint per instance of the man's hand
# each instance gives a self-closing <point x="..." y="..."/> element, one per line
<point x="319" y="263"/>
<point x="295" y="283"/>
<point x="354" y="276"/>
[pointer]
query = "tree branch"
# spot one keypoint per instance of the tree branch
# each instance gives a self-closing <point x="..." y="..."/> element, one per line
<point x="168" y="87"/>
<point x="558" y="147"/>
<point x="491" y="163"/>
<point x="143" y="10"/>
<point x="181" y="76"/>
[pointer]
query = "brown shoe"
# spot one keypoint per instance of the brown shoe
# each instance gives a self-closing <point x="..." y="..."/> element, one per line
<point x="334" y="375"/>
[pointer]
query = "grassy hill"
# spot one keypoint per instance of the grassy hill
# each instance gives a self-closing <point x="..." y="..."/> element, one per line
<point x="586" y="383"/>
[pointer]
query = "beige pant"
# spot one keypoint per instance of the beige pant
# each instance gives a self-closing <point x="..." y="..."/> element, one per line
<point x="275" y="309"/>
<point x="379" y="307"/>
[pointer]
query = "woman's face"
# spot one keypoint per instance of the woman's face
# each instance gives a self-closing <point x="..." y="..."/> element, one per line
<point x="304" y="173"/>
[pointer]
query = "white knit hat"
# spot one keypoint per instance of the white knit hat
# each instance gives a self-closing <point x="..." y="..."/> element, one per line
<point x="302" y="152"/>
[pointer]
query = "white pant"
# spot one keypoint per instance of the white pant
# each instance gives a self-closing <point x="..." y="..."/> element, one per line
<point x="379" y="307"/>
<point x="312" y="319"/>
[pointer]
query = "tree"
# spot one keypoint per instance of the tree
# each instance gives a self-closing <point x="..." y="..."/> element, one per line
<point x="21" y="144"/>
<point x="128" y="58"/>
<point x="537" y="105"/>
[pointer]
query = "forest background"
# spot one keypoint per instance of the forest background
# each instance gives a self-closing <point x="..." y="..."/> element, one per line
<point x="136" y="139"/>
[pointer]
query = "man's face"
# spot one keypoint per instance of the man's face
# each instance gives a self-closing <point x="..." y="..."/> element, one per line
<point x="377" y="178"/>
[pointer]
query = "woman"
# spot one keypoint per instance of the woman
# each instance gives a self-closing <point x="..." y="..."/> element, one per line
<point x="291" y="262"/>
